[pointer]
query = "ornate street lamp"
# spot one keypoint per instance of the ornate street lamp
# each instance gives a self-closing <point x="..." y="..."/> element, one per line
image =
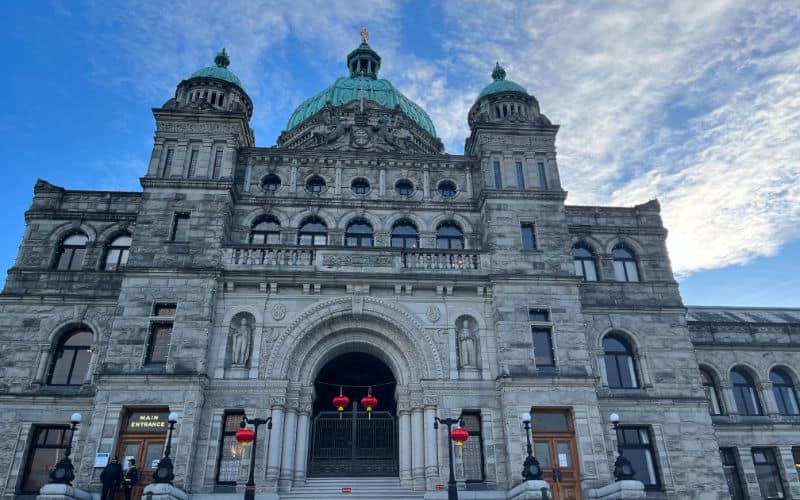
<point x="64" y="471"/>
<point x="623" y="470"/>
<point x="245" y="436"/>
<point x="458" y="436"/>
<point x="531" y="470"/>
<point x="164" y="472"/>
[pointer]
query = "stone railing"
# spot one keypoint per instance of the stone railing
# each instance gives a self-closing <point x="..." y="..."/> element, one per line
<point x="455" y="260"/>
<point x="246" y="256"/>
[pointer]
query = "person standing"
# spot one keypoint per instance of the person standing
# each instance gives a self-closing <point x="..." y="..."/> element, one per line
<point x="131" y="478"/>
<point x="111" y="477"/>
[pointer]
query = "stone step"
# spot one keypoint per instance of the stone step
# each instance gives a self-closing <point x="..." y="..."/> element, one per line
<point x="363" y="488"/>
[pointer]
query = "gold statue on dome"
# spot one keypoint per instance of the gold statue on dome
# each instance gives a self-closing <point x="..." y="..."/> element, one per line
<point x="364" y="35"/>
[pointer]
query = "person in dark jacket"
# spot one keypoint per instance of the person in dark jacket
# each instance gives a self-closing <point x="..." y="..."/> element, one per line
<point x="130" y="479"/>
<point x="111" y="477"/>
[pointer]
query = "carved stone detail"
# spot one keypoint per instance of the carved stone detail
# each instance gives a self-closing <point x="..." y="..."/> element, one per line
<point x="278" y="312"/>
<point x="433" y="313"/>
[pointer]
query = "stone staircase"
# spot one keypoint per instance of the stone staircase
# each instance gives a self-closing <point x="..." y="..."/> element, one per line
<point x="360" y="488"/>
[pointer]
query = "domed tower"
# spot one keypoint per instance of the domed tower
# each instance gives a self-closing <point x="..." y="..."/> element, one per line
<point x="199" y="130"/>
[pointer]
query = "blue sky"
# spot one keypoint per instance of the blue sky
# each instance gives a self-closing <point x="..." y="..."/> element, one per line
<point x="694" y="103"/>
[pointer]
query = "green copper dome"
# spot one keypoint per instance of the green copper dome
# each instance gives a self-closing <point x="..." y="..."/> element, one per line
<point x="363" y="64"/>
<point x="220" y="71"/>
<point x="500" y="84"/>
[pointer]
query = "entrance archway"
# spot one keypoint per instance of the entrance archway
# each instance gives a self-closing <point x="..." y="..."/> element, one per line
<point x="354" y="443"/>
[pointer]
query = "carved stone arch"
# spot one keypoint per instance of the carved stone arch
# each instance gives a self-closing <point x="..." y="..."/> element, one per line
<point x="64" y="230"/>
<point x="596" y="246"/>
<point x="627" y="241"/>
<point x="324" y="316"/>
<point x="57" y="331"/>
<point x="463" y="223"/>
<point x="749" y="368"/>
<point x="712" y="370"/>
<point x="323" y="214"/>
<point x="785" y="368"/>
<point x="422" y="226"/>
<point x="350" y="216"/>
<point x="252" y="216"/>
<point x="457" y="312"/>
<point x="107" y="235"/>
<point x="245" y="308"/>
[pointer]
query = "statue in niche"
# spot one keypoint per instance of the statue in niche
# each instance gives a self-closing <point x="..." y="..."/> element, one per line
<point x="467" y="345"/>
<point x="241" y="333"/>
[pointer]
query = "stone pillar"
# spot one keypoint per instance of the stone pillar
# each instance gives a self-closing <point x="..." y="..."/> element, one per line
<point x="205" y="164"/>
<point x="729" y="401"/>
<point x="178" y="160"/>
<point x="749" y="481"/>
<point x="301" y="447"/>
<point x="789" y="471"/>
<point x="293" y="177"/>
<point x="247" y="173"/>
<point x="41" y="370"/>
<point x="155" y="158"/>
<point x="382" y="181"/>
<point x="468" y="176"/>
<point x="418" y="448"/>
<point x="431" y="450"/>
<point x="426" y="182"/>
<point x="228" y="167"/>
<point x="275" y="441"/>
<point x="404" y="445"/>
<point x="289" y="441"/>
<point x="337" y="187"/>
<point x="766" y="394"/>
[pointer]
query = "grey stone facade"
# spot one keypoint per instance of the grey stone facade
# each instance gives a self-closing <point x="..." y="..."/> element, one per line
<point x="304" y="305"/>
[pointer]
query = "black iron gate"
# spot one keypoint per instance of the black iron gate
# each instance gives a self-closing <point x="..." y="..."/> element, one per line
<point x="353" y="444"/>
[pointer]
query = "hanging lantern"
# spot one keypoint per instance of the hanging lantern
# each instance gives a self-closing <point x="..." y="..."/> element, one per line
<point x="245" y="436"/>
<point x="459" y="435"/>
<point x="369" y="402"/>
<point x="340" y="402"/>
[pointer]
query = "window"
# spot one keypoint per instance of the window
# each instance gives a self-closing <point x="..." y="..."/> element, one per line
<point x="539" y="315"/>
<point x="472" y="450"/>
<point x="271" y="183"/>
<point x="730" y="466"/>
<point x="168" y="161"/>
<point x="520" y="175"/>
<point x="542" y="333"/>
<point x="315" y="184"/>
<point x="266" y="231"/>
<point x="769" y="478"/>
<point x="70" y="362"/>
<point x="449" y="236"/>
<point x="359" y="186"/>
<point x="71" y="252"/>
<point x="637" y="446"/>
<point x="358" y="234"/>
<point x="117" y="253"/>
<point x="447" y="189"/>
<point x="230" y="452"/>
<point x="542" y="177"/>
<point x="583" y="259"/>
<point x="46" y="449"/>
<point x="313" y="232"/>
<point x="783" y="389"/>
<point x="217" y="164"/>
<point x="744" y="393"/>
<point x="528" y="236"/>
<point x="221" y="99"/>
<point x="620" y="366"/>
<point x="498" y="177"/>
<point x="404" y="187"/>
<point x="180" y="227"/>
<point x="712" y="394"/>
<point x="192" y="163"/>
<point x="624" y="264"/>
<point x="160" y="333"/>
<point x="405" y="235"/>
<point x="796" y="456"/>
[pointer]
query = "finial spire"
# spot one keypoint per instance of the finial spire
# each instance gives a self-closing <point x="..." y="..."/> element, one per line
<point x="364" y="35"/>
<point x="499" y="73"/>
<point x="222" y="60"/>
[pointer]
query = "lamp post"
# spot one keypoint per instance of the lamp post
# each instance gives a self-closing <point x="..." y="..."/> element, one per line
<point x="623" y="470"/>
<point x="531" y="470"/>
<point x="458" y="435"/>
<point x="164" y="471"/>
<point x="64" y="471"/>
<point x="245" y="436"/>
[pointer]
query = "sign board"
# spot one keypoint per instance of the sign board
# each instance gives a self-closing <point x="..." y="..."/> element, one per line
<point x="347" y="489"/>
<point x="146" y="421"/>
<point x="101" y="459"/>
<point x="563" y="461"/>
<point x="154" y="464"/>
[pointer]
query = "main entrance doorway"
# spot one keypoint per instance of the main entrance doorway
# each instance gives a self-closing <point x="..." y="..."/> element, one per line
<point x="554" y="447"/>
<point x="354" y="443"/>
<point x="142" y="438"/>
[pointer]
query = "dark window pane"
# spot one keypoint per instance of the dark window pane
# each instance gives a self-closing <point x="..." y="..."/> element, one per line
<point x="62" y="367"/>
<point x="498" y="178"/>
<point x="180" y="228"/>
<point x="159" y="343"/>
<point x="731" y="468"/>
<point x="636" y="445"/>
<point x="767" y="473"/>
<point x="404" y="188"/>
<point x="447" y="189"/>
<point x="528" y="237"/>
<point x="543" y="347"/>
<point x="539" y="315"/>
<point x="47" y="448"/>
<point x="549" y="421"/>
<point x="360" y="186"/>
<point x="165" y="309"/>
<point x="542" y="176"/>
<point x="520" y="175"/>
<point x="472" y="450"/>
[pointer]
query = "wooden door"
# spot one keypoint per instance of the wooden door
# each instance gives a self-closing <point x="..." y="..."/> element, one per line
<point x="146" y="450"/>
<point x="555" y="448"/>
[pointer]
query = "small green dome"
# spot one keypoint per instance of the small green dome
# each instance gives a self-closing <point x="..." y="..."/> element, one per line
<point x="220" y="71"/>
<point x="500" y="84"/>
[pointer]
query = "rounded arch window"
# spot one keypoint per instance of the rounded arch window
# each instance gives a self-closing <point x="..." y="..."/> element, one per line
<point x="71" y="252"/>
<point x="70" y="362"/>
<point x="266" y="231"/>
<point x="405" y="234"/>
<point x="358" y="234"/>
<point x="583" y="260"/>
<point x="315" y="184"/>
<point x="313" y="232"/>
<point x="620" y="363"/>
<point x="625" y="268"/>
<point x="744" y="392"/>
<point x="447" y="189"/>
<point x="784" y="391"/>
<point x="117" y="253"/>
<point x="449" y="236"/>
<point x="359" y="186"/>
<point x="271" y="183"/>
<point x="712" y="392"/>
<point x="404" y="187"/>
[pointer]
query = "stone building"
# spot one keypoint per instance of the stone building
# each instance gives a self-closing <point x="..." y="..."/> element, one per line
<point x="355" y="257"/>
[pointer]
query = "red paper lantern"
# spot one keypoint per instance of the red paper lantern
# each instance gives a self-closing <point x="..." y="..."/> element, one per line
<point x="369" y="402"/>
<point x="459" y="436"/>
<point x="340" y="402"/>
<point x="245" y="436"/>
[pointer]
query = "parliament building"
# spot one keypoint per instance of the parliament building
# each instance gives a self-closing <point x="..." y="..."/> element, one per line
<point x="355" y="257"/>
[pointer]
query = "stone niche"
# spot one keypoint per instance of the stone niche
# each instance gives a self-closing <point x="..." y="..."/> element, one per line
<point x="239" y="351"/>
<point x="468" y="347"/>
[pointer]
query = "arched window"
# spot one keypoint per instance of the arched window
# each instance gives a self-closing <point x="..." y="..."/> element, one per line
<point x="405" y="235"/>
<point x="313" y="231"/>
<point x="712" y="393"/>
<point x="583" y="259"/>
<point x="117" y="253"/>
<point x="783" y="389"/>
<point x="620" y="365"/>
<point x="71" y="252"/>
<point x="70" y="362"/>
<point x="360" y="186"/>
<point x="624" y="264"/>
<point x="358" y="234"/>
<point x="449" y="236"/>
<point x="404" y="187"/>
<point x="266" y="231"/>
<point x="271" y="183"/>
<point x="744" y="393"/>
<point x="447" y="189"/>
<point x="315" y="184"/>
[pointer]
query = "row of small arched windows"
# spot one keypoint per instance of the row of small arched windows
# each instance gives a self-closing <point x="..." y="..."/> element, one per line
<point x="359" y="233"/>
<point x="623" y="258"/>
<point x="72" y="251"/>
<point x="746" y="395"/>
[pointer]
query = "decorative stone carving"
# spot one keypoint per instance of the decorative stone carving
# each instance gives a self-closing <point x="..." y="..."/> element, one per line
<point x="357" y="261"/>
<point x="241" y="334"/>
<point x="433" y="314"/>
<point x="467" y="339"/>
<point x="278" y="312"/>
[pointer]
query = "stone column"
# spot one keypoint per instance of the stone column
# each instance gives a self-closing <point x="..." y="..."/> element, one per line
<point x="404" y="442"/>
<point x="301" y="448"/>
<point x="418" y="448"/>
<point x="426" y="182"/>
<point x="789" y="471"/>
<point x="44" y="358"/>
<point x="289" y="441"/>
<point x="337" y="187"/>
<point x="155" y="158"/>
<point x="178" y="160"/>
<point x="749" y="482"/>
<point x="248" y="171"/>
<point x="766" y="395"/>
<point x="228" y="167"/>
<point x="431" y="451"/>
<point x="275" y="441"/>
<point x="468" y="176"/>
<point x="382" y="181"/>
<point x="293" y="177"/>
<point x="726" y="392"/>
<point x="205" y="164"/>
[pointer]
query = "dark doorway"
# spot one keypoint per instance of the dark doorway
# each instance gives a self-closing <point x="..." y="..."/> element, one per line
<point x="354" y="443"/>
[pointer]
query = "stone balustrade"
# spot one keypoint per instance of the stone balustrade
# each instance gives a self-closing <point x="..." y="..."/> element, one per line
<point x="248" y="257"/>
<point x="441" y="260"/>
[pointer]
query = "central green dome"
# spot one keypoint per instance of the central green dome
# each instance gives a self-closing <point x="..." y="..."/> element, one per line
<point x="500" y="84"/>
<point x="363" y="63"/>
<point x="219" y="71"/>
